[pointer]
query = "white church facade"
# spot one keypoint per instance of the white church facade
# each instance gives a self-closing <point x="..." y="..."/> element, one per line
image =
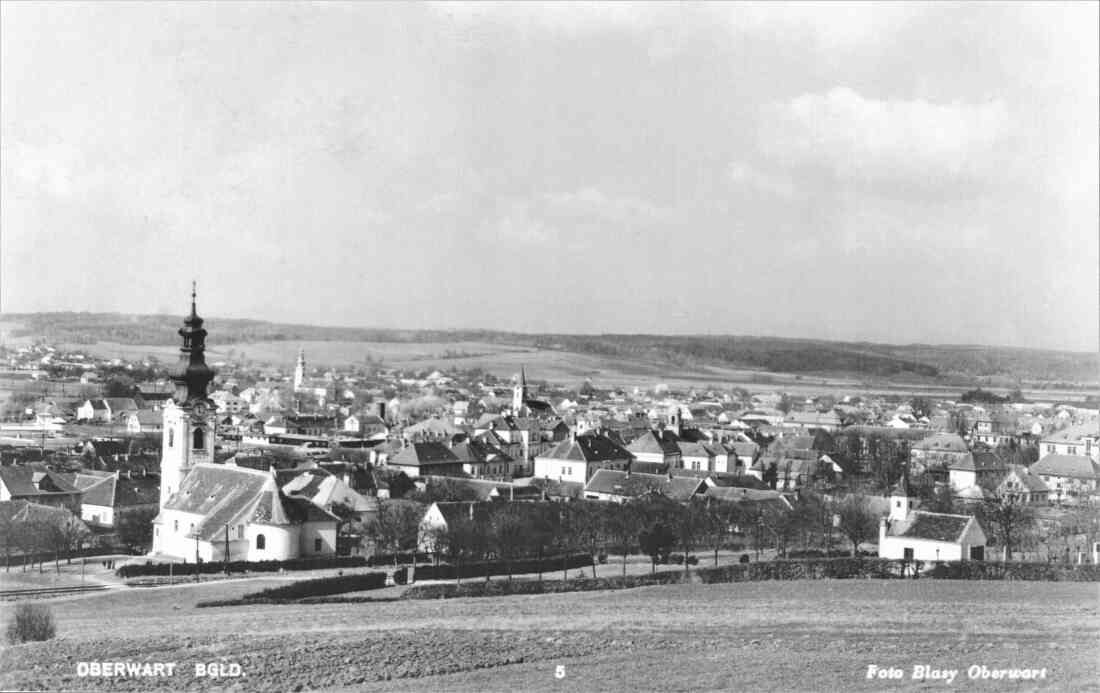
<point x="210" y="511"/>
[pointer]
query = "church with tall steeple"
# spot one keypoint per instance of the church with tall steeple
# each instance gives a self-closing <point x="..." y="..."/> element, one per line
<point x="190" y="416"/>
<point x="223" y="512"/>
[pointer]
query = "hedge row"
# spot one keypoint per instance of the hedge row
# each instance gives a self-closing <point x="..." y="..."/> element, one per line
<point x="1055" y="572"/>
<point x="322" y="587"/>
<point x="449" y="590"/>
<point x="474" y="570"/>
<point x="316" y="563"/>
<point x="307" y="590"/>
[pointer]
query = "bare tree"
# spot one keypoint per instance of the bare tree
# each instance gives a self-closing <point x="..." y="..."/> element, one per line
<point x="857" y="521"/>
<point x="1009" y="519"/>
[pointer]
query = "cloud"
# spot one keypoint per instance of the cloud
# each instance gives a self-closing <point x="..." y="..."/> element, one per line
<point x="751" y="179"/>
<point x="872" y="142"/>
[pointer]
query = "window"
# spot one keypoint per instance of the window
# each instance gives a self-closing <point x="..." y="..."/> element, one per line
<point x="317" y="544"/>
<point x="240" y="531"/>
<point x="175" y="525"/>
<point x="197" y="439"/>
<point x="171" y="437"/>
<point x="261" y="542"/>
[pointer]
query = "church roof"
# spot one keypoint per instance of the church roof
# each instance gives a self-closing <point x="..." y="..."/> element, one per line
<point x="589" y="447"/>
<point x="224" y="494"/>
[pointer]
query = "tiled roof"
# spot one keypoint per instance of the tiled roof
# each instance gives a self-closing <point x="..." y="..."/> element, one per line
<point x="1072" y="466"/>
<point x="933" y="526"/>
<point x="588" y="447"/>
<point x="24" y="481"/>
<point x="420" y="454"/>
<point x="620" y="483"/>
<point x="664" y="442"/>
<point x="978" y="461"/>
<point x="942" y="442"/>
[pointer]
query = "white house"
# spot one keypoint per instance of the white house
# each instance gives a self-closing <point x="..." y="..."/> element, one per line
<point x="1067" y="476"/>
<point x="923" y="536"/>
<point x="1080" y="439"/>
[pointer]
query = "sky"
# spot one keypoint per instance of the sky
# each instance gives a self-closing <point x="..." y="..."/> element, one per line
<point x="884" y="172"/>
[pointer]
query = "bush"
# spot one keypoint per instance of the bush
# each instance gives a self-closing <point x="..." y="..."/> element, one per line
<point x="211" y="567"/>
<point x="31" y="622"/>
<point x="693" y="560"/>
<point x="321" y="587"/>
<point x="981" y="570"/>
<point x="744" y="558"/>
<point x="446" y="571"/>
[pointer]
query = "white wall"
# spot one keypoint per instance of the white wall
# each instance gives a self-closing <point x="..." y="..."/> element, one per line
<point x="310" y="532"/>
<point x="561" y="470"/>
<point x="105" y="514"/>
<point x="281" y="543"/>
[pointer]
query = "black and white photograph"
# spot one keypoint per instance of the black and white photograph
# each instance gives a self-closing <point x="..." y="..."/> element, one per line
<point x="549" y="346"/>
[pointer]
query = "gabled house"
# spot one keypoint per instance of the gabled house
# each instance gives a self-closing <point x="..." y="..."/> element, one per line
<point x="426" y="459"/>
<point x="39" y="486"/>
<point x="911" y="534"/>
<point x="979" y="468"/>
<point x="108" y="496"/>
<point x="480" y="459"/>
<point x="1021" y="486"/>
<point x="1079" y="439"/>
<point x="1067" y="476"/>
<point x="658" y="447"/>
<point x="577" y="458"/>
<point x="144" y="421"/>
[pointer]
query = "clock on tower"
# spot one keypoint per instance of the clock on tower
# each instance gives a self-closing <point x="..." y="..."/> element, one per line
<point x="189" y="421"/>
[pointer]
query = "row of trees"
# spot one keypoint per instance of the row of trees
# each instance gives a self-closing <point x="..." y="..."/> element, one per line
<point x="652" y="525"/>
<point x="40" y="535"/>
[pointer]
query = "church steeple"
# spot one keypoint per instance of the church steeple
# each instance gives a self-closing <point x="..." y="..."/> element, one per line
<point x="192" y="376"/>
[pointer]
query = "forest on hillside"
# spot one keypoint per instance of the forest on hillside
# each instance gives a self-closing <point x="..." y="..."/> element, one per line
<point x="775" y="354"/>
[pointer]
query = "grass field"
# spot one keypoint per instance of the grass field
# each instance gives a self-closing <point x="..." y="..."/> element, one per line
<point x="818" y="636"/>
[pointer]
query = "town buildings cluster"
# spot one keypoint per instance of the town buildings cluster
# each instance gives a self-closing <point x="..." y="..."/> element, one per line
<point x="254" y="463"/>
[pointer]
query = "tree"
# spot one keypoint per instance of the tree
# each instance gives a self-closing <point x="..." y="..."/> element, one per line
<point x="509" y="531"/>
<point x="395" y="527"/>
<point x="135" y="528"/>
<point x="921" y="406"/>
<point x="1008" y="518"/>
<point x="718" y="524"/>
<point x="690" y="524"/>
<point x="590" y="522"/>
<point x="622" y="527"/>
<point x="857" y="521"/>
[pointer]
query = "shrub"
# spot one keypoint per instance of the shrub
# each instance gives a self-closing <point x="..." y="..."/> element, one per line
<point x="744" y="558"/>
<point x="472" y="570"/>
<point x="31" y="622"/>
<point x="211" y="567"/>
<point x="321" y="587"/>
<point x="693" y="560"/>
<point x="602" y="558"/>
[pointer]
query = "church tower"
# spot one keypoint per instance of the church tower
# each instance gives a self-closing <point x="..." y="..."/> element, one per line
<point x="189" y="418"/>
<point x="519" y="393"/>
<point x="300" y="370"/>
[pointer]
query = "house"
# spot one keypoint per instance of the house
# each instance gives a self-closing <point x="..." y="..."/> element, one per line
<point x="426" y="459"/>
<point x="326" y="490"/>
<point x="577" y="458"/>
<point x="144" y="421"/>
<point x="442" y="516"/>
<point x="937" y="453"/>
<point x="911" y="534"/>
<point x="222" y="508"/>
<point x="748" y="496"/>
<point x="366" y="425"/>
<point x="1021" y="486"/>
<point x="1067" y="476"/>
<point x="108" y="496"/>
<point x="480" y="459"/>
<point x="39" y="486"/>
<point x="95" y="410"/>
<point x="1079" y="439"/>
<point x="978" y="468"/>
<point x="658" y="447"/>
<point x="621" y="486"/>
<point x="811" y="421"/>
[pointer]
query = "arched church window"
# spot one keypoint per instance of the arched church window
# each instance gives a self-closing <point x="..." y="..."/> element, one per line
<point x="261" y="542"/>
<point x="171" y="436"/>
<point x="197" y="439"/>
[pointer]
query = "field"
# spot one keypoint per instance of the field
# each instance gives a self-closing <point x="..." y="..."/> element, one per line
<point x="819" y="635"/>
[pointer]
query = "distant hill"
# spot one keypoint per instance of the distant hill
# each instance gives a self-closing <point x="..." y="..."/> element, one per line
<point x="774" y="354"/>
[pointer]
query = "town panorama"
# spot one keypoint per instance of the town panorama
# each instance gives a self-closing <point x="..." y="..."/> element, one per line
<point x="549" y="346"/>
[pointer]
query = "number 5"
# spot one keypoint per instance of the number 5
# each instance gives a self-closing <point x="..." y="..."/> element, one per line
<point x="559" y="671"/>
